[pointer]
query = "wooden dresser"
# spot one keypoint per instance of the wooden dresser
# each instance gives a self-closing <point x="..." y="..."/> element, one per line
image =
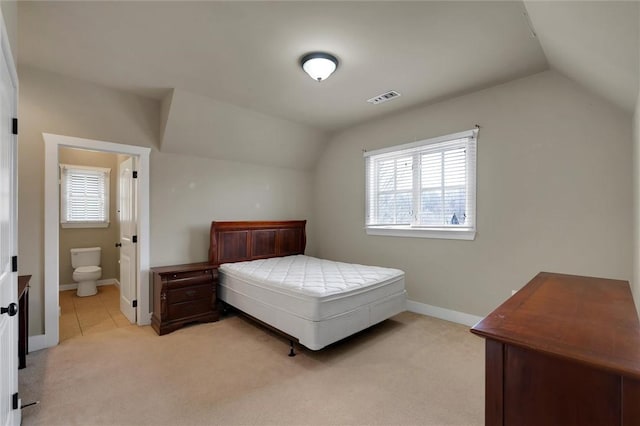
<point x="183" y="294"/>
<point x="564" y="350"/>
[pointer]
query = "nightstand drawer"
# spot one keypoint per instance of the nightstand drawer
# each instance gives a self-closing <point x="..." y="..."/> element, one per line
<point x="189" y="309"/>
<point x="191" y="293"/>
<point x="188" y="278"/>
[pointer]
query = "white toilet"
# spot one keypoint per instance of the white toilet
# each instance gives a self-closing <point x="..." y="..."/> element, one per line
<point x="86" y="269"/>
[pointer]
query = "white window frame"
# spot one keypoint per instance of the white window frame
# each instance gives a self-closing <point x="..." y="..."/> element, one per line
<point x="65" y="170"/>
<point x="467" y="231"/>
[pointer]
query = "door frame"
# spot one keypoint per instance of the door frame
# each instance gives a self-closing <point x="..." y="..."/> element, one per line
<point x="14" y="415"/>
<point x="52" y="227"/>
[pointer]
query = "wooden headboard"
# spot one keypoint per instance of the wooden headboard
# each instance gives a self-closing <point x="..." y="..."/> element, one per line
<point x="240" y="241"/>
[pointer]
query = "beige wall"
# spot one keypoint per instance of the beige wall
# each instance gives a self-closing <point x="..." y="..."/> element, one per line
<point x="186" y="192"/>
<point x="104" y="238"/>
<point x="554" y="193"/>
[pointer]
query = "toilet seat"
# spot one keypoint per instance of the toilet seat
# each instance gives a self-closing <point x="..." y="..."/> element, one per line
<point x="88" y="269"/>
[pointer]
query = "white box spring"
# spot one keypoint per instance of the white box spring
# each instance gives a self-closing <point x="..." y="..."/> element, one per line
<point x="315" y="300"/>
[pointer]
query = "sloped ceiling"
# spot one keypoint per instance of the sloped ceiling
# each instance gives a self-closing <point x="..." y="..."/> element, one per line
<point x="593" y="43"/>
<point x="247" y="53"/>
<point x="201" y="126"/>
<point x="227" y="72"/>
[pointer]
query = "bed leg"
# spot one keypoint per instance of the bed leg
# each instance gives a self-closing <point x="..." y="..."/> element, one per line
<point x="291" y="351"/>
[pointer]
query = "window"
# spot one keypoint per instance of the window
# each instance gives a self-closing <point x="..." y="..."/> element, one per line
<point x="84" y="196"/>
<point x="423" y="189"/>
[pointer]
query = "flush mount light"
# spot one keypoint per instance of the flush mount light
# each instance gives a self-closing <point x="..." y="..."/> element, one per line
<point x="319" y="65"/>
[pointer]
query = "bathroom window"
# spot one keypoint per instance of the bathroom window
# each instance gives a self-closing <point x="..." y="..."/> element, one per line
<point x="84" y="196"/>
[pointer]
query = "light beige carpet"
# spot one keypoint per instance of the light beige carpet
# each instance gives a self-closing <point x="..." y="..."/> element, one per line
<point x="409" y="370"/>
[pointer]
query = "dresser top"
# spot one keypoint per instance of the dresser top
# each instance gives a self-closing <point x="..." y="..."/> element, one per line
<point x="589" y="320"/>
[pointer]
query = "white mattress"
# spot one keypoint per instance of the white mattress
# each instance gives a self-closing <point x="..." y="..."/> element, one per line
<point x="310" y="288"/>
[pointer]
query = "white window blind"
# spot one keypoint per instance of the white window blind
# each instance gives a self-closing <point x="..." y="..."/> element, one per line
<point x="84" y="196"/>
<point x="423" y="189"/>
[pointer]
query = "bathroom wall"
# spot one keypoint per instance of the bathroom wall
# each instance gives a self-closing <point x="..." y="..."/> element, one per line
<point x="92" y="237"/>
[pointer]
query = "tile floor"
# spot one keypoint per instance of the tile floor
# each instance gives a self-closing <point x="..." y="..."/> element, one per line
<point x="84" y="315"/>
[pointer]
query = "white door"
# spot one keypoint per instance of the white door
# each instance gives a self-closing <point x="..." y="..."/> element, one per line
<point x="9" y="407"/>
<point x="128" y="248"/>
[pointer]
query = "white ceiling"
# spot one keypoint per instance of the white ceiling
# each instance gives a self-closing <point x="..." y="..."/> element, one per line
<point x="246" y="53"/>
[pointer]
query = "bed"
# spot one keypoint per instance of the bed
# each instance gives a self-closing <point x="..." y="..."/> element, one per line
<point x="264" y="273"/>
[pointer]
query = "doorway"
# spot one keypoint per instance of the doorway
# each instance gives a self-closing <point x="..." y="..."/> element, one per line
<point x="53" y="143"/>
<point x="97" y="215"/>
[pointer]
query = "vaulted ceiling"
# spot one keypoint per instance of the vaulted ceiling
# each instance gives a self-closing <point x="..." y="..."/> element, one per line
<point x="245" y="54"/>
<point x="594" y="43"/>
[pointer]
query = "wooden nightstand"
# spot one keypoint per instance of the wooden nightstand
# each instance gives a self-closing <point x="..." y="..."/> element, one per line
<point x="183" y="294"/>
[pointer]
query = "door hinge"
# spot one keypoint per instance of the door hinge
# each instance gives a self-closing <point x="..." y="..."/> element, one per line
<point x="134" y="303"/>
<point x="14" y="264"/>
<point x="135" y="174"/>
<point x="14" y="401"/>
<point x="14" y="126"/>
<point x="134" y="239"/>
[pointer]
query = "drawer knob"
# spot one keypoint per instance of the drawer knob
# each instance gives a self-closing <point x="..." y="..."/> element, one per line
<point x="190" y="292"/>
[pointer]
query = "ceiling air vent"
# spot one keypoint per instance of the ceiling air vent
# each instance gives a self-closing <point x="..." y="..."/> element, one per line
<point x="391" y="94"/>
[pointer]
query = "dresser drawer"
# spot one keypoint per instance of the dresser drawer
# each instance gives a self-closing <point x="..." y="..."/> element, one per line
<point x="190" y="293"/>
<point x="189" y="309"/>
<point x="188" y="278"/>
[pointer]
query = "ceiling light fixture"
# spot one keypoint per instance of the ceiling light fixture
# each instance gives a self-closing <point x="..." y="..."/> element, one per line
<point x="319" y="65"/>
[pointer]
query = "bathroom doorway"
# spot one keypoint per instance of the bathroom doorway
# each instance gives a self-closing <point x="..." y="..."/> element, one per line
<point x="138" y="276"/>
<point x="88" y="239"/>
<point x="98" y="267"/>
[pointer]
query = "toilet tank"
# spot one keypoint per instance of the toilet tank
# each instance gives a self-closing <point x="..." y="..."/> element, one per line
<point x="85" y="256"/>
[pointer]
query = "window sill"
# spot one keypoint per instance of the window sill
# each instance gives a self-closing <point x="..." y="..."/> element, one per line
<point x="444" y="234"/>
<point x="85" y="225"/>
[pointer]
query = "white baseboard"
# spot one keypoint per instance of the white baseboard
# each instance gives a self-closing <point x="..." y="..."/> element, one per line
<point x="146" y="319"/>
<point x="108" y="281"/>
<point x="38" y="342"/>
<point x="442" y="313"/>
